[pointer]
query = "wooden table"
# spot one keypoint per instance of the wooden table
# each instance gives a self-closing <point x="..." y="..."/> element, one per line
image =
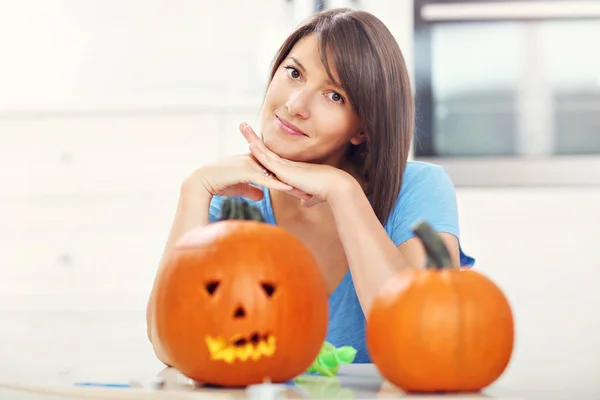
<point x="43" y="353"/>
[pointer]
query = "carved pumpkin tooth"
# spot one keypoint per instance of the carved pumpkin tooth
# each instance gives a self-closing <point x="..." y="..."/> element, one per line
<point x="228" y="355"/>
<point x="256" y="353"/>
<point x="261" y="347"/>
<point x="270" y="347"/>
<point x="245" y="352"/>
<point x="214" y="344"/>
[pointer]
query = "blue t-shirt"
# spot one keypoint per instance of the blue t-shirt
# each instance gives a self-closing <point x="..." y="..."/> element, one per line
<point x="427" y="193"/>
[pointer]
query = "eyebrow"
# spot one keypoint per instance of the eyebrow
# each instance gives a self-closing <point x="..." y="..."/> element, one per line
<point x="298" y="62"/>
<point x="327" y="81"/>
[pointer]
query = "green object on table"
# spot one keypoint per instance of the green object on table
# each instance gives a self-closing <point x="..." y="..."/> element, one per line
<point x="323" y="388"/>
<point x="330" y="358"/>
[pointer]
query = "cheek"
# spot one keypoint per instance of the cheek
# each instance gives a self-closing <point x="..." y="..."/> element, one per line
<point x="272" y="100"/>
<point x="333" y="124"/>
<point x="276" y="91"/>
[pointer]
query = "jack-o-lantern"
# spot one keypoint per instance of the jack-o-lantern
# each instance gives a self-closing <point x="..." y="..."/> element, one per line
<point x="241" y="301"/>
<point x="440" y="329"/>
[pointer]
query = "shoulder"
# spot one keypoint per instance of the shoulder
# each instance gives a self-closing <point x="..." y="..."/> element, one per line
<point x="427" y="193"/>
<point x="420" y="175"/>
<point x="425" y="184"/>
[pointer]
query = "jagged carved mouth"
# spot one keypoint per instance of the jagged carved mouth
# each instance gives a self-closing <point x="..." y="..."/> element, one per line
<point x="241" y="348"/>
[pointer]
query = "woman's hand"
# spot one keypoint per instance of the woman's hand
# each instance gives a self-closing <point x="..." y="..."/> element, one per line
<point x="318" y="181"/>
<point x="234" y="176"/>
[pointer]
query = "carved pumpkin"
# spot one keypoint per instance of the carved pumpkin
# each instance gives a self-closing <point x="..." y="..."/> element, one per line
<point x="442" y="328"/>
<point x="241" y="301"/>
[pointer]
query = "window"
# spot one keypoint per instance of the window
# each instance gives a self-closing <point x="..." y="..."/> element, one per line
<point x="499" y="87"/>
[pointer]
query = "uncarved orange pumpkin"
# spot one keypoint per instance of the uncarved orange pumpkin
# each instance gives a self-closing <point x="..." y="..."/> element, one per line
<point x="240" y="302"/>
<point x="442" y="328"/>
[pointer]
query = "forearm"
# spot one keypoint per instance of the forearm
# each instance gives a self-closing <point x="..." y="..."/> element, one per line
<point x="372" y="256"/>
<point x="192" y="211"/>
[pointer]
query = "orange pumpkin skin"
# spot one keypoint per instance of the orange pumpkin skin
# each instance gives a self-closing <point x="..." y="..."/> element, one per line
<point x="232" y="280"/>
<point x="448" y="330"/>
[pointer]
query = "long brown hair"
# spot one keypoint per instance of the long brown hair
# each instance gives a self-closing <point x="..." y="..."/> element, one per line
<point x="373" y="74"/>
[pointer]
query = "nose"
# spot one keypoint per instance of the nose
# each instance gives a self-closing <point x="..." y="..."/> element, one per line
<point x="239" y="312"/>
<point x="298" y="104"/>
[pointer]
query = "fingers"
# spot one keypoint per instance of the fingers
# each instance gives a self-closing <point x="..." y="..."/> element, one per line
<point x="265" y="158"/>
<point x="300" y="194"/>
<point x="267" y="180"/>
<point x="263" y="177"/>
<point x="272" y="178"/>
<point x="268" y="161"/>
<point x="251" y="192"/>
<point x="249" y="133"/>
<point x="274" y="164"/>
<point x="270" y="182"/>
<point x="257" y="147"/>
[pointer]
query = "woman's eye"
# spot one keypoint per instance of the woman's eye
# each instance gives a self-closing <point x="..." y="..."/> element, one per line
<point x="293" y="72"/>
<point x="336" y="97"/>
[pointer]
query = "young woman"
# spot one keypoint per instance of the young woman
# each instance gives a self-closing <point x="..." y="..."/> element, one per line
<point x="331" y="166"/>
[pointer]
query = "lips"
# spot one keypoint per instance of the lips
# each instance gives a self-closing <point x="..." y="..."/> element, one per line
<point x="241" y="348"/>
<point x="289" y="127"/>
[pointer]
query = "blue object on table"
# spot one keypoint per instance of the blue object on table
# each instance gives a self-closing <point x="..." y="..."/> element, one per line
<point x="100" y="384"/>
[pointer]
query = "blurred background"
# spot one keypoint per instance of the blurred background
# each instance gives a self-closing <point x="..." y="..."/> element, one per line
<point x="105" y="106"/>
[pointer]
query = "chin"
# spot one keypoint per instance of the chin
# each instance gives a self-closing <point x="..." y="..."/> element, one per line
<point x="285" y="149"/>
<point x="282" y="145"/>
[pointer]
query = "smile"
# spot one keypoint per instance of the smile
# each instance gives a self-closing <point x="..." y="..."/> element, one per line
<point x="289" y="128"/>
<point x="241" y="348"/>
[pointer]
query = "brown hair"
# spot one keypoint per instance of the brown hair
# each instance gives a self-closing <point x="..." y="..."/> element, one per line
<point x="373" y="74"/>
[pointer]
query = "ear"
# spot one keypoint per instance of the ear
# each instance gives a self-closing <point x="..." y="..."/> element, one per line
<point x="358" y="138"/>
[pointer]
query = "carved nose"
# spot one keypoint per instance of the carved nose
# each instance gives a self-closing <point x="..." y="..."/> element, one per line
<point x="239" y="312"/>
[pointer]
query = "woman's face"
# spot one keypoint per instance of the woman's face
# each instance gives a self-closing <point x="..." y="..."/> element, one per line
<point x="305" y="117"/>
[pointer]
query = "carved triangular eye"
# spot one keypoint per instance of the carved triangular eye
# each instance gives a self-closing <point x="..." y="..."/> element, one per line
<point x="269" y="288"/>
<point x="212" y="286"/>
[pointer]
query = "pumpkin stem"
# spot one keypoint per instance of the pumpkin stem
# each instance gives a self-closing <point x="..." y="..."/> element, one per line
<point x="437" y="253"/>
<point x="239" y="208"/>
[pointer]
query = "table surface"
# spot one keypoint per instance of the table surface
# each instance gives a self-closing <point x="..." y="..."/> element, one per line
<point x="43" y="353"/>
<point x="353" y="382"/>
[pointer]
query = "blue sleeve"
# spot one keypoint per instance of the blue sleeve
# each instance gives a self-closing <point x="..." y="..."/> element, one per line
<point x="215" y="208"/>
<point x="427" y="193"/>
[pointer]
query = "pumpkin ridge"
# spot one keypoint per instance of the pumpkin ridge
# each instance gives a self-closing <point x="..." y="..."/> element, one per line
<point x="413" y="291"/>
<point x="443" y="279"/>
<point x="460" y="340"/>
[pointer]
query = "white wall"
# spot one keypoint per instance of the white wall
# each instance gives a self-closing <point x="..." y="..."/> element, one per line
<point x="105" y="106"/>
<point x="541" y="247"/>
